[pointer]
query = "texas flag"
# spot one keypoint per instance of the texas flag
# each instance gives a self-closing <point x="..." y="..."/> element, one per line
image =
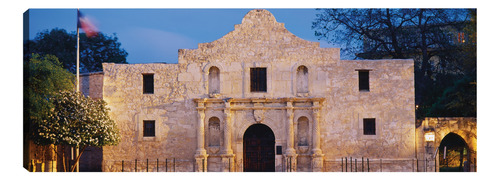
<point x="87" y="25"/>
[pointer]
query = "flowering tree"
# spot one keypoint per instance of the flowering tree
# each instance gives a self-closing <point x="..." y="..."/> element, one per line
<point x="77" y="121"/>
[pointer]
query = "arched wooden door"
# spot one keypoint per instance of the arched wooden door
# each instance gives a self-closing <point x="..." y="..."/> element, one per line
<point x="258" y="147"/>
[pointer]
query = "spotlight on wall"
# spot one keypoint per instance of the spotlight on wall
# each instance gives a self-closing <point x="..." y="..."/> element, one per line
<point x="429" y="137"/>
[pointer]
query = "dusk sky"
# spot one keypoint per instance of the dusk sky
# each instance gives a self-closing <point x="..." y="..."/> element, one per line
<point x="155" y="35"/>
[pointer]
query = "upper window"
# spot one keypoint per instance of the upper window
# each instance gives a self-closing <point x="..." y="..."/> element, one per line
<point x="258" y="80"/>
<point x="148" y="83"/>
<point x="369" y="126"/>
<point x="364" y="80"/>
<point x="149" y="128"/>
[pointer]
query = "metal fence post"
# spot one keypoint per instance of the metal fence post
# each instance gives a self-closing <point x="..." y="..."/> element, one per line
<point x="435" y="165"/>
<point x="135" y="165"/>
<point x="356" y="165"/>
<point x="122" y="165"/>
<point x="342" y="164"/>
<point x="157" y="165"/>
<point x="147" y="165"/>
<point x="425" y="165"/>
<point x="345" y="164"/>
<point x="166" y="164"/>
<point x="351" y="163"/>
<point x="174" y="164"/>
<point x="368" y="164"/>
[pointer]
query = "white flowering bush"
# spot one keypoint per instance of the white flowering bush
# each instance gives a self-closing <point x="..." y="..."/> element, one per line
<point x="77" y="120"/>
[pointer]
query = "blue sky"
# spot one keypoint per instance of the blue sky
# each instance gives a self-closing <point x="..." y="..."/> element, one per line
<point x="155" y="35"/>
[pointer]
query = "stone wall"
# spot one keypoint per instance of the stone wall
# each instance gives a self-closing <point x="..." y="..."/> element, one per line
<point x="173" y="113"/>
<point x="465" y="127"/>
<point x="332" y="104"/>
<point x="91" y="84"/>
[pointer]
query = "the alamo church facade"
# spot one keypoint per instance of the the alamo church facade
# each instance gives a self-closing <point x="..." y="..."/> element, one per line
<point x="261" y="99"/>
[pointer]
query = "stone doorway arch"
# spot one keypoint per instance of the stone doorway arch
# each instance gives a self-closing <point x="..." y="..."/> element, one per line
<point x="454" y="154"/>
<point x="258" y="149"/>
<point x="456" y="133"/>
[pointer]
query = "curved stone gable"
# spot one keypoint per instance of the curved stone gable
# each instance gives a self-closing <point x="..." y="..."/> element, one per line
<point x="258" y="38"/>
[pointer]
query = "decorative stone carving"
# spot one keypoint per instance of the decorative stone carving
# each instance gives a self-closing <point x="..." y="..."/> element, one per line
<point x="258" y="115"/>
<point x="303" y="149"/>
<point x="213" y="149"/>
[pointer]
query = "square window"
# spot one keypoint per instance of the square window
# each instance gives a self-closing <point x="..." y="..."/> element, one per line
<point x="149" y="128"/>
<point x="364" y="80"/>
<point x="258" y="80"/>
<point x="369" y="126"/>
<point x="148" y="83"/>
<point x="279" y="150"/>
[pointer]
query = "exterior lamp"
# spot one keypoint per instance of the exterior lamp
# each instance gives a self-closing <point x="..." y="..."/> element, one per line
<point x="429" y="137"/>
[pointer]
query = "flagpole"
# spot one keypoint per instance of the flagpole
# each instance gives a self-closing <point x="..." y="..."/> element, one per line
<point x="77" y="52"/>
<point x="77" y="150"/>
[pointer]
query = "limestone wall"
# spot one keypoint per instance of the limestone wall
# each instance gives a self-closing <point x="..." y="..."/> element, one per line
<point x="91" y="84"/>
<point x="173" y="113"/>
<point x="260" y="41"/>
<point x="390" y="101"/>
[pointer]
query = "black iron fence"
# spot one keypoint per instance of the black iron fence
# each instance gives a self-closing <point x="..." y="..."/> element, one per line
<point x="153" y="165"/>
<point x="352" y="164"/>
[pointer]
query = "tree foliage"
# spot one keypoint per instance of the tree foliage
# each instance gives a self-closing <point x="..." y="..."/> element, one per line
<point x="77" y="120"/>
<point x="43" y="78"/>
<point x="93" y="51"/>
<point x="429" y="36"/>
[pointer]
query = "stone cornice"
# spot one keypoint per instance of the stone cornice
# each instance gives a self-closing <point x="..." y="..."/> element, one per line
<point x="258" y="103"/>
<point x="260" y="100"/>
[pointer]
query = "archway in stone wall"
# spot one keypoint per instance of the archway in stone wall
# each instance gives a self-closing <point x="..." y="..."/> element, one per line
<point x="258" y="149"/>
<point x="454" y="154"/>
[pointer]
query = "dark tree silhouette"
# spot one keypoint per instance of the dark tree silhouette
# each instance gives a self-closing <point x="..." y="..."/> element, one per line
<point x="93" y="51"/>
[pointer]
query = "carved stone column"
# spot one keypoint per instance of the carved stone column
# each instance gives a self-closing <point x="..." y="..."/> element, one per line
<point x="317" y="156"/>
<point x="201" y="154"/>
<point x="227" y="151"/>
<point x="290" y="151"/>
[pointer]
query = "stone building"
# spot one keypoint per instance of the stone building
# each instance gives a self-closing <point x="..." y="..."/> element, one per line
<point x="261" y="99"/>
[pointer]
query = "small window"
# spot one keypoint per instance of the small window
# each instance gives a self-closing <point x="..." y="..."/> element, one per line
<point x="148" y="83"/>
<point x="258" y="80"/>
<point x="279" y="150"/>
<point x="149" y="128"/>
<point x="364" y="80"/>
<point x="369" y="126"/>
